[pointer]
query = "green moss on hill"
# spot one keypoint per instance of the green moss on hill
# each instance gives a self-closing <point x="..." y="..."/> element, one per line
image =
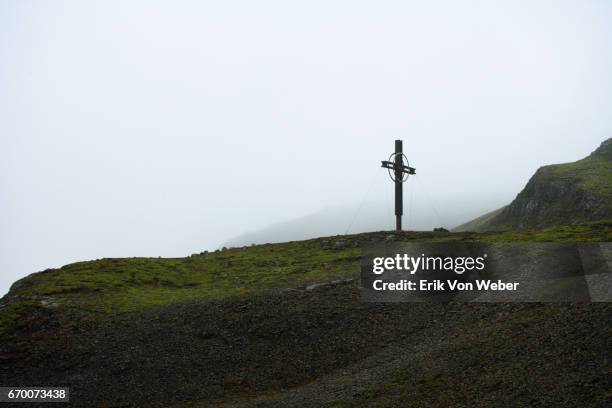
<point x="110" y="286"/>
<point x="125" y="284"/>
<point x="593" y="173"/>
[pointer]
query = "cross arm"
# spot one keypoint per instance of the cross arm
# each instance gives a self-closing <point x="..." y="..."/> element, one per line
<point x="404" y="169"/>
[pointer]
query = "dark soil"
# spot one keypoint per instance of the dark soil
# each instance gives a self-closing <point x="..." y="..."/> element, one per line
<point x="320" y="347"/>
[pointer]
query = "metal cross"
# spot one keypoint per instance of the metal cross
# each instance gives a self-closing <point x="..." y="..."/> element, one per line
<point x="399" y="172"/>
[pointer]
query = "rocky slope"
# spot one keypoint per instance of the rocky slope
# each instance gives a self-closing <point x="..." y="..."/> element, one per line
<point x="560" y="194"/>
<point x="254" y="326"/>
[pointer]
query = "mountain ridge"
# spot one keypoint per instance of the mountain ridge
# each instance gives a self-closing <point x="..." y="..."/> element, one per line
<point x="558" y="194"/>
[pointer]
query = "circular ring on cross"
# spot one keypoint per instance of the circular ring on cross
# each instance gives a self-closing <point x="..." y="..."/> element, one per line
<point x="402" y="158"/>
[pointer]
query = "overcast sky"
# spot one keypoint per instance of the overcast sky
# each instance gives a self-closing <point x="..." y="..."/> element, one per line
<point x="165" y="128"/>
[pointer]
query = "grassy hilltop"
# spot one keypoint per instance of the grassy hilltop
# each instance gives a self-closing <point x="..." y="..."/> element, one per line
<point x="283" y="325"/>
<point x="117" y="285"/>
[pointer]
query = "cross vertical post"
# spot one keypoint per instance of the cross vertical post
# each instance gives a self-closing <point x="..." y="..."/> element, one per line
<point x="399" y="172"/>
<point x="399" y="191"/>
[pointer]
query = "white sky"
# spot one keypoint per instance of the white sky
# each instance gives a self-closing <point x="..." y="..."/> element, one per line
<point x="165" y="128"/>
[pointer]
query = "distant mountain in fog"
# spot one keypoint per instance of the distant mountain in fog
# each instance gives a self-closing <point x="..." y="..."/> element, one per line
<point x="379" y="216"/>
